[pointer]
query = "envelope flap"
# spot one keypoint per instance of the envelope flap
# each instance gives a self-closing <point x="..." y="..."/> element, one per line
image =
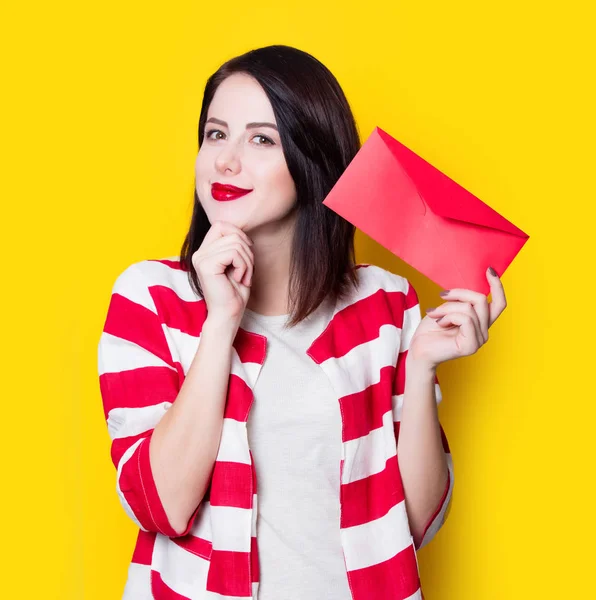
<point x="443" y="195"/>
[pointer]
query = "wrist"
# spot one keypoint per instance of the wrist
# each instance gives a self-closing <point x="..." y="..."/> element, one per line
<point x="226" y="328"/>
<point x="420" y="368"/>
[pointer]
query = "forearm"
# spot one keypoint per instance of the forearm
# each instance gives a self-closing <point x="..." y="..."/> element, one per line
<point x="185" y="442"/>
<point x="421" y="456"/>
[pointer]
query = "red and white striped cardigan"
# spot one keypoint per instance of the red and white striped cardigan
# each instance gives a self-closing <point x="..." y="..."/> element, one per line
<point x="151" y="334"/>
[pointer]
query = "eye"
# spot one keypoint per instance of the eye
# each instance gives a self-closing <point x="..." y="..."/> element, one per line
<point x="209" y="133"/>
<point x="266" y="142"/>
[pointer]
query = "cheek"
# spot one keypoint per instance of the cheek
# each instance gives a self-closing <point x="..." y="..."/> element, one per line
<point x="199" y="165"/>
<point x="279" y="177"/>
<point x="203" y="174"/>
<point x="202" y="164"/>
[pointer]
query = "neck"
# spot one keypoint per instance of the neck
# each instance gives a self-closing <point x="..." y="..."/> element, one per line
<point x="270" y="282"/>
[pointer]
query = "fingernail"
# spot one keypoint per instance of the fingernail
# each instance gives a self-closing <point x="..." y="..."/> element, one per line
<point x="431" y="309"/>
<point x="492" y="272"/>
<point x="444" y="293"/>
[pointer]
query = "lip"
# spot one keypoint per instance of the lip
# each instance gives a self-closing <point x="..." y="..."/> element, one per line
<point x="223" y="193"/>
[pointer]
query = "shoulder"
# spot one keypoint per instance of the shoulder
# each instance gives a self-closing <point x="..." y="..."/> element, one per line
<point x="374" y="278"/>
<point x="397" y="289"/>
<point x="386" y="295"/>
<point x="144" y="280"/>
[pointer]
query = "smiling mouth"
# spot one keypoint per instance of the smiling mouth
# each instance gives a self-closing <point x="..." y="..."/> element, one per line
<point x="223" y="193"/>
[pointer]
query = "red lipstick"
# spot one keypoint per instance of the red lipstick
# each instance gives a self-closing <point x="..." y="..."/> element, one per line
<point x="222" y="193"/>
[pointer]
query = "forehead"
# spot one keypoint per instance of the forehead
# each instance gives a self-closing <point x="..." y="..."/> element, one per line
<point x="240" y="98"/>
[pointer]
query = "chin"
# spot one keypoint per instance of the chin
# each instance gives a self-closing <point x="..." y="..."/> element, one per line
<point x="234" y="217"/>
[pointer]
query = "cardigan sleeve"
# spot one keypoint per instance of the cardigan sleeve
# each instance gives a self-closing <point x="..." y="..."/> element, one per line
<point x="138" y="381"/>
<point x="411" y="319"/>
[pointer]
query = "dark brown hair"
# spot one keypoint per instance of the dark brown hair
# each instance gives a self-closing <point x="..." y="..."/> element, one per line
<point x="319" y="138"/>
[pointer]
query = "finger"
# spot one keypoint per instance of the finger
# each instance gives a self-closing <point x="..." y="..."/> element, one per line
<point x="231" y="257"/>
<point x="239" y="269"/>
<point x="467" y="311"/>
<point x="235" y="242"/>
<point x="247" y="272"/>
<point x="222" y="228"/>
<point x="247" y="279"/>
<point x="250" y="260"/>
<point x="477" y="300"/>
<point x="467" y="339"/>
<point x="230" y="241"/>
<point x="499" y="302"/>
<point x="464" y="308"/>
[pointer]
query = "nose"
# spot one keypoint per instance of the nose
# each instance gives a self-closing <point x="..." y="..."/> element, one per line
<point x="228" y="159"/>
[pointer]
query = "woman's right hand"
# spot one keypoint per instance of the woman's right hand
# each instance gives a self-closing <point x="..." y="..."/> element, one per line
<point x="224" y="264"/>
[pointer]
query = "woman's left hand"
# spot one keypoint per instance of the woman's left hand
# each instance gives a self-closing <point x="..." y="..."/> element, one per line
<point x="459" y="327"/>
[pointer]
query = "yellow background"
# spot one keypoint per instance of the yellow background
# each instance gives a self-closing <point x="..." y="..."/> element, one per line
<point x="100" y="108"/>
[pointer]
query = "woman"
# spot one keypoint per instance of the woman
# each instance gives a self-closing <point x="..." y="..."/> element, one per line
<point x="287" y="454"/>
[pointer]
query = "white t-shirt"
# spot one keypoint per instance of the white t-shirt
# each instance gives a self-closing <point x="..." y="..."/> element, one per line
<point x="294" y="433"/>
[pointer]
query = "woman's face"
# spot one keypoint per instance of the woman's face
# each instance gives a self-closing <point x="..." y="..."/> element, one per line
<point x="241" y="148"/>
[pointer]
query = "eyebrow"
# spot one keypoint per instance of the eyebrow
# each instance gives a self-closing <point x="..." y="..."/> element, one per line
<point x="253" y="125"/>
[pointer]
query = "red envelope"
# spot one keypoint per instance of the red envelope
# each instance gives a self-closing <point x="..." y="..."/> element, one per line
<point x="424" y="217"/>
